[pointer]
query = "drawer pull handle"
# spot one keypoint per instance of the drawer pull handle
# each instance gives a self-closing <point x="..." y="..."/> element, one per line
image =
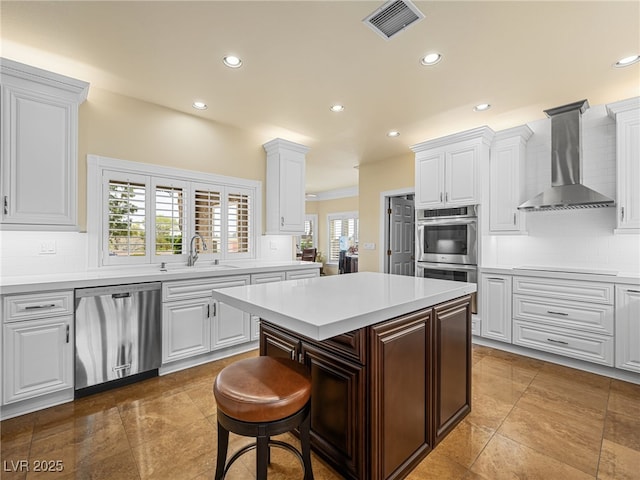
<point x="633" y="291"/>
<point x="557" y="341"/>
<point x="35" y="307"/>
<point x="558" y="313"/>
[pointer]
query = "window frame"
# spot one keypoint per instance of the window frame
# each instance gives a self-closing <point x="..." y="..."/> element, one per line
<point x="100" y="170"/>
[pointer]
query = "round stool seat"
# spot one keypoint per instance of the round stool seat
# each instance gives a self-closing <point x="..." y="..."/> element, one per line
<point x="262" y="389"/>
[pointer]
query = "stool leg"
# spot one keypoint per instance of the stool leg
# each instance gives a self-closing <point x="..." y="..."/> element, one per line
<point x="223" y="444"/>
<point x="262" y="457"/>
<point x="305" y="443"/>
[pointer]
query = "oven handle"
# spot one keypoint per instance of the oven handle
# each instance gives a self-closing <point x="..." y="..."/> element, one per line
<point x="447" y="221"/>
<point x="447" y="266"/>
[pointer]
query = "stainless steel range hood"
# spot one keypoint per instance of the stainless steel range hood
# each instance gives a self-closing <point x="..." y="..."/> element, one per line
<point x="566" y="190"/>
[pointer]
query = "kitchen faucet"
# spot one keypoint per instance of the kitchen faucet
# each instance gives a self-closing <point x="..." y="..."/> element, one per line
<point x="193" y="252"/>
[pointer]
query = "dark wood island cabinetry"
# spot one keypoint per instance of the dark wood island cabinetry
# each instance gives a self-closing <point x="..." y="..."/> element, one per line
<point x="385" y="394"/>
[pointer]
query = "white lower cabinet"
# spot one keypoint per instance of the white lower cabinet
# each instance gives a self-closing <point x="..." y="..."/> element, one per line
<point x="186" y="329"/>
<point x="628" y="328"/>
<point x="37" y="357"/>
<point x="496" y="307"/>
<point x="193" y="323"/>
<point x="573" y="318"/>
<point x="37" y="345"/>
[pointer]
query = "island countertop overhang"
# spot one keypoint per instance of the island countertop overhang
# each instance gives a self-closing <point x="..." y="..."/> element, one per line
<point x="323" y="307"/>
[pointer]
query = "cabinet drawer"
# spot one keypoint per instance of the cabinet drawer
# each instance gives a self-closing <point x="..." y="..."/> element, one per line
<point x="269" y="277"/>
<point x="581" y="345"/>
<point x="591" y="317"/>
<point x="185" y="289"/>
<point x="37" y="305"/>
<point x="306" y="273"/>
<point x="594" y="292"/>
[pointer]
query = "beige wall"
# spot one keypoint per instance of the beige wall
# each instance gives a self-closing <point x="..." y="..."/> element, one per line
<point x="121" y="127"/>
<point x="323" y="209"/>
<point x="392" y="174"/>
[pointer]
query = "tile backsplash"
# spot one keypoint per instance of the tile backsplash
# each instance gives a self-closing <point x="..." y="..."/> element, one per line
<point x="32" y="253"/>
<point x="41" y="253"/>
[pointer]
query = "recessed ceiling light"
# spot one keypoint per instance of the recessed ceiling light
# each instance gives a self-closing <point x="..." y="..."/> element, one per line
<point x="393" y="133"/>
<point x="199" y="105"/>
<point x="625" y="62"/>
<point x="431" y="59"/>
<point x="232" y="61"/>
<point x="336" y="108"/>
<point x="481" y="107"/>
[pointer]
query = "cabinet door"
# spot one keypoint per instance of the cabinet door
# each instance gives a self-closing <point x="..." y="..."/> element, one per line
<point x="37" y="358"/>
<point x="400" y="399"/>
<point x="628" y="328"/>
<point x="460" y="176"/>
<point x="628" y="170"/>
<point x="496" y="307"/>
<point x="338" y="410"/>
<point x="292" y="185"/>
<point x="186" y="329"/>
<point x="452" y="365"/>
<point x="430" y="179"/>
<point x="38" y="159"/>
<point x="230" y="326"/>
<point x="504" y="172"/>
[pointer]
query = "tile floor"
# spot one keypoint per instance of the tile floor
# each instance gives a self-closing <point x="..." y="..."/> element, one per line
<point x="530" y="420"/>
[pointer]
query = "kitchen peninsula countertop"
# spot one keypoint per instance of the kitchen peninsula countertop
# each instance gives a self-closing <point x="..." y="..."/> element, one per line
<point x="323" y="307"/>
<point x="139" y="274"/>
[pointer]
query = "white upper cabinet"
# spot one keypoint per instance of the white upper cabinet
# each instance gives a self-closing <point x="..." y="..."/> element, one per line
<point x="447" y="169"/>
<point x="39" y="147"/>
<point x="507" y="180"/>
<point x="285" y="187"/>
<point x="627" y="116"/>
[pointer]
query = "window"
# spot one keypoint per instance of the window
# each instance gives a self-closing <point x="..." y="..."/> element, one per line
<point x="208" y="218"/>
<point x="126" y="220"/>
<point x="309" y="238"/>
<point x="169" y="219"/>
<point x="148" y="214"/>
<point x="238" y="222"/>
<point x="343" y="233"/>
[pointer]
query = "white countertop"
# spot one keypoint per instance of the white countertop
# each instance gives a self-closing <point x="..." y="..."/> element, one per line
<point x="323" y="307"/>
<point x="117" y="276"/>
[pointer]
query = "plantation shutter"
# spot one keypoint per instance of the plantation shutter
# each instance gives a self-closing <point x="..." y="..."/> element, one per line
<point x="169" y="212"/>
<point x="238" y="222"/>
<point x="208" y="218"/>
<point x="126" y="219"/>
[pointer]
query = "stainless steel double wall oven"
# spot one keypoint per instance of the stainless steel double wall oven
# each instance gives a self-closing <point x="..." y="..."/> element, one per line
<point x="447" y="245"/>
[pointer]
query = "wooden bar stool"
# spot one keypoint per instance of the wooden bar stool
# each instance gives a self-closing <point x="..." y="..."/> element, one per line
<point x="261" y="397"/>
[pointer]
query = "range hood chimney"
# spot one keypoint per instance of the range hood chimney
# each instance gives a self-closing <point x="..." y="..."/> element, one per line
<point x="567" y="191"/>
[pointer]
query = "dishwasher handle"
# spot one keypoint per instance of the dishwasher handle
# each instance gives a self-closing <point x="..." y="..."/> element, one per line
<point x="121" y="295"/>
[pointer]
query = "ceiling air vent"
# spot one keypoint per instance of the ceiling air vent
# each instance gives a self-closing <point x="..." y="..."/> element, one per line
<point x="393" y="17"/>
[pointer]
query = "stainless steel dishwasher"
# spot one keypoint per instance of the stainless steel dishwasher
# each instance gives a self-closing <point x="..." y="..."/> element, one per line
<point x="118" y="335"/>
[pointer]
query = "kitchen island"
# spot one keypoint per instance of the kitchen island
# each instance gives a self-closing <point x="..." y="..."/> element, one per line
<point x="390" y="360"/>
